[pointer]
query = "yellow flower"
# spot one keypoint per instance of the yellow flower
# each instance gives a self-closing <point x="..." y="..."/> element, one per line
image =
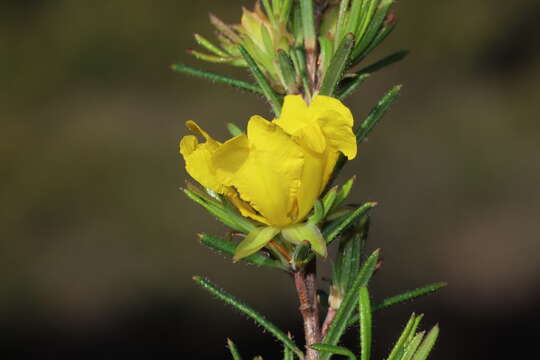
<point x="275" y="173"/>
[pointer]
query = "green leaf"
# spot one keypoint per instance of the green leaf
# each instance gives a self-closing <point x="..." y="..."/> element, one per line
<point x="341" y="21"/>
<point x="337" y="67"/>
<point x="254" y="241"/>
<point x="415" y="326"/>
<point x="306" y="232"/>
<point x="181" y="68"/>
<point x="399" y="347"/>
<point x="268" y="8"/>
<point x="267" y="90"/>
<point x="351" y="86"/>
<point x="234" y="130"/>
<point x="348" y="260"/>
<point x="308" y="23"/>
<point x="327" y="50"/>
<point x="409" y="295"/>
<point x="336" y="227"/>
<point x="427" y="345"/>
<point x="410" y="350"/>
<point x="234" y="350"/>
<point x="329" y="200"/>
<point x="377" y="113"/>
<point x="318" y="213"/>
<point x="299" y="60"/>
<point x="228" y="248"/>
<point x="201" y="40"/>
<point x="355" y="15"/>
<point x="297" y="28"/>
<point x="288" y="72"/>
<point x="334" y="350"/>
<point x="379" y="38"/>
<point x="210" y="58"/>
<point x="286" y="11"/>
<point x="384" y="62"/>
<point x="344" y="192"/>
<point x="227" y="216"/>
<point x="368" y="10"/>
<point x="243" y="308"/>
<point x="374" y="27"/>
<point x="346" y="309"/>
<point x="365" y="323"/>
<point x="287" y="354"/>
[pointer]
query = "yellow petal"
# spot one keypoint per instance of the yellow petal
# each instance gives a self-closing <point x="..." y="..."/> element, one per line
<point x="198" y="158"/>
<point x="336" y="122"/>
<point x="294" y="114"/>
<point x="296" y="120"/>
<point x="245" y="209"/>
<point x="265" y="168"/>
<point x="313" y="182"/>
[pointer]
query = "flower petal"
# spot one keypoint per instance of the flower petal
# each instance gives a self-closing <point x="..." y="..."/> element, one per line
<point x="336" y="122"/>
<point x="198" y="158"/>
<point x="265" y="168"/>
<point x="294" y="114"/>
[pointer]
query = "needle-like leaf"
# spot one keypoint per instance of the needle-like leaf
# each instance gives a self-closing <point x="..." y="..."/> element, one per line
<point x="409" y="295"/>
<point x="228" y="248"/>
<point x="243" y="308"/>
<point x="337" y="66"/>
<point x="339" y="325"/>
<point x="265" y="86"/>
<point x="332" y="230"/>
<point x="234" y="350"/>
<point x="399" y="347"/>
<point x="377" y="113"/>
<point x="207" y="75"/>
<point x="410" y="350"/>
<point x="427" y="345"/>
<point x="349" y="87"/>
<point x="365" y="323"/>
<point x="384" y="62"/>
<point x="334" y="350"/>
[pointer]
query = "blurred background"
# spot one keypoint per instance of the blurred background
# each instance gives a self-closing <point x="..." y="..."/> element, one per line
<point x="98" y="246"/>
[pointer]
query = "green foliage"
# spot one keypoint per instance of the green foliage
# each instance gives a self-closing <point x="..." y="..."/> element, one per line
<point x="234" y="350"/>
<point x="267" y="89"/>
<point x="336" y="227"/>
<point x="216" y="78"/>
<point x="364" y="309"/>
<point x="346" y="309"/>
<point x="310" y="47"/>
<point x="245" y="309"/>
<point x="334" y="350"/>
<point x="228" y="248"/>
<point x="337" y="66"/>
<point x="222" y="212"/>
<point x="412" y="345"/>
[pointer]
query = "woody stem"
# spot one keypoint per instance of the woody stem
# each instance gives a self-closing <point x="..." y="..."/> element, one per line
<point x="305" y="282"/>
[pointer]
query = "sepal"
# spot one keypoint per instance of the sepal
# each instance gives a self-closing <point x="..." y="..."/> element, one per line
<point x="254" y="241"/>
<point x="220" y="209"/>
<point x="309" y="232"/>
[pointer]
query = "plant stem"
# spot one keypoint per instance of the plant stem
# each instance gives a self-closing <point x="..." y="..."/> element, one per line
<point x="330" y="316"/>
<point x="305" y="282"/>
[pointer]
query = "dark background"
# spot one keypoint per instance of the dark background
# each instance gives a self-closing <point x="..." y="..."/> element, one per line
<point x="98" y="246"/>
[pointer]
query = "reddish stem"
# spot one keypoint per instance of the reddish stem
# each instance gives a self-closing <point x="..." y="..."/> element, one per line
<point x="305" y="282"/>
